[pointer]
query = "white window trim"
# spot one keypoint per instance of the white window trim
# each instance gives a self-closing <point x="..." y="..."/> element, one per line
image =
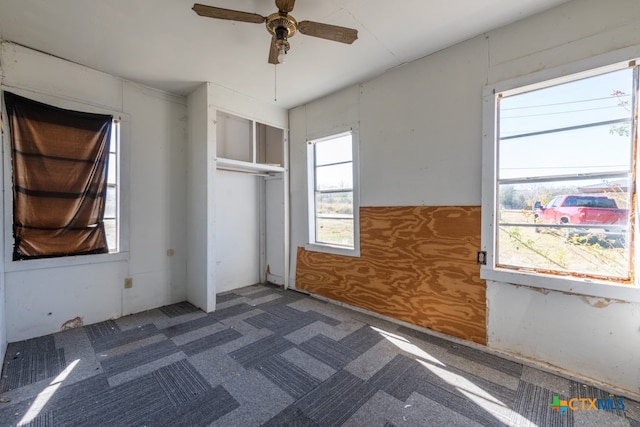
<point x="123" y="195"/>
<point x="572" y="285"/>
<point x="328" y="248"/>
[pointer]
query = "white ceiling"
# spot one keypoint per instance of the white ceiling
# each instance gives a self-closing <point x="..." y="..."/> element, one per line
<point x="164" y="44"/>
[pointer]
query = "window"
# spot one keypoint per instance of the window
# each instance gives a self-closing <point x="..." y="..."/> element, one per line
<point x="562" y="198"/>
<point x="64" y="167"/>
<point x="332" y="192"/>
<point x="112" y="202"/>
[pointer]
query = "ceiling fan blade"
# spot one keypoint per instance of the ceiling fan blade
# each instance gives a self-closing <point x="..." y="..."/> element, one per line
<point x="232" y="15"/>
<point x="273" y="52"/>
<point x="285" y="5"/>
<point x="329" y="32"/>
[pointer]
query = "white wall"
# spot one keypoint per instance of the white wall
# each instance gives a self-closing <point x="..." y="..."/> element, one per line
<point x="420" y="144"/>
<point x="158" y="256"/>
<point x="419" y="138"/>
<point x="237" y="211"/>
<point x="591" y="336"/>
<point x="43" y="294"/>
<point x="200" y="231"/>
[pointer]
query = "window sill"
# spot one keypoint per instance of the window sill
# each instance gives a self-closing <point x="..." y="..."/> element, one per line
<point x="60" y="262"/>
<point x="335" y="250"/>
<point x="576" y="286"/>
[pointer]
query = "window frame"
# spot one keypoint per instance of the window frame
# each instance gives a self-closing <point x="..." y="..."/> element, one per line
<point x="123" y="177"/>
<point x="611" y="61"/>
<point x="312" y="244"/>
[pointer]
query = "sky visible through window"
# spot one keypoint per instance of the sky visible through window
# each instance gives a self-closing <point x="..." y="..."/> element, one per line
<point x="603" y="98"/>
<point x="335" y="151"/>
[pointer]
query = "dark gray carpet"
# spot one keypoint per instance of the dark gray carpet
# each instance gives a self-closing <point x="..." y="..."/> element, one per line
<point x="210" y="341"/>
<point x="289" y="377"/>
<point x="102" y="329"/>
<point x="526" y="398"/>
<point x="131" y="360"/>
<point x="329" y="351"/>
<point x="268" y="357"/>
<point x="31" y="361"/>
<point x="253" y="354"/>
<point x="178" y="309"/>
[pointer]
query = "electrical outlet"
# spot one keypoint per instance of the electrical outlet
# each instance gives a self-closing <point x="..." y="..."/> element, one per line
<point x="482" y="258"/>
<point x="128" y="282"/>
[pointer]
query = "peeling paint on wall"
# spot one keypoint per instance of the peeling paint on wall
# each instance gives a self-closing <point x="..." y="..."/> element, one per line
<point x="76" y="322"/>
<point x="596" y="302"/>
<point x="542" y="291"/>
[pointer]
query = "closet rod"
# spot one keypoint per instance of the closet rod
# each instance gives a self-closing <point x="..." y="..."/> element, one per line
<point x="226" y="168"/>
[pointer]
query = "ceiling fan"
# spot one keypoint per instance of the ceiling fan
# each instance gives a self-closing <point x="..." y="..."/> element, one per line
<point x="281" y="25"/>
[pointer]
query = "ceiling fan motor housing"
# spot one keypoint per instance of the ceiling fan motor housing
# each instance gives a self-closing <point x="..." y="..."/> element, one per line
<point x="281" y="26"/>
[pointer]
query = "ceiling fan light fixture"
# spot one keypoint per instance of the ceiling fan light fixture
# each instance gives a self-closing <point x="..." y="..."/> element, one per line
<point x="282" y="55"/>
<point x="282" y="46"/>
<point x="281" y="28"/>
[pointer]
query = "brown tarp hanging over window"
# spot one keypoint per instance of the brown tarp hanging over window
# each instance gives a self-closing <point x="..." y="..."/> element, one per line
<point x="59" y="179"/>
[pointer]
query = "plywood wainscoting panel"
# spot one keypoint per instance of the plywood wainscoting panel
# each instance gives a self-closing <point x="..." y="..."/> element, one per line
<point x="417" y="264"/>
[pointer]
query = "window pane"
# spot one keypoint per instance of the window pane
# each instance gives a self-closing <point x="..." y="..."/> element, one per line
<point x="111" y="174"/>
<point x="334" y="231"/>
<point x="112" y="234"/>
<point x="111" y="203"/>
<point x="589" y="150"/>
<point x="335" y="204"/>
<point x="579" y="226"/>
<point x="334" y="150"/>
<point x="115" y="137"/>
<point x="603" y="253"/>
<point x="525" y="196"/>
<point x="334" y="177"/>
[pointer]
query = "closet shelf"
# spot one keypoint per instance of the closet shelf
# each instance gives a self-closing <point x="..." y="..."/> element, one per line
<point x="222" y="163"/>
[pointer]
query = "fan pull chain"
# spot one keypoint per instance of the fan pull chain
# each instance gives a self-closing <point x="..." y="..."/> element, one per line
<point x="275" y="83"/>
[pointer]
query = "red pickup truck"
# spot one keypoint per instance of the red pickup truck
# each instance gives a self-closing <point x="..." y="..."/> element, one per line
<point x="580" y="209"/>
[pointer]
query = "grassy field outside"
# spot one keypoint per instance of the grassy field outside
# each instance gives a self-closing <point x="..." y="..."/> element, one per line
<point x="335" y="218"/>
<point x="559" y="249"/>
<point x="335" y="231"/>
